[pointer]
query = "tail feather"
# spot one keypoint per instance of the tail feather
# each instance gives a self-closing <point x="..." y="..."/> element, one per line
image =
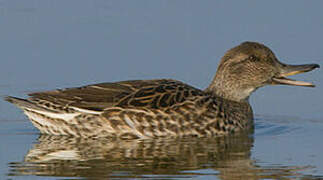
<point x="45" y="119"/>
<point x="25" y="104"/>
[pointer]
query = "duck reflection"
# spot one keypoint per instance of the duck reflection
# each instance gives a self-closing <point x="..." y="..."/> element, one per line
<point x="224" y="157"/>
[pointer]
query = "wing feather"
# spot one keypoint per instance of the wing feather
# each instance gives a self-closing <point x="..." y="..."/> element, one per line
<point x="158" y="93"/>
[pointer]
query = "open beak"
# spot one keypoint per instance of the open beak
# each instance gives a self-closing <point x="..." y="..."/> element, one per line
<point x="288" y="70"/>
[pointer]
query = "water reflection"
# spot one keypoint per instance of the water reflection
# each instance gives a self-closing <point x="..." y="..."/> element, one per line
<point x="225" y="158"/>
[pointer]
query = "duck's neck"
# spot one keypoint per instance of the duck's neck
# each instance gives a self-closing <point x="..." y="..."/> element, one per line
<point x="229" y="91"/>
<point x="236" y="103"/>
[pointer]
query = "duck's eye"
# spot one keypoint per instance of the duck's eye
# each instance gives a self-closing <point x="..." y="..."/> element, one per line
<point x="253" y="58"/>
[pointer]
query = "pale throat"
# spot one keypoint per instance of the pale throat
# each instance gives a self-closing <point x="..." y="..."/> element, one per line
<point x="244" y="94"/>
<point x="230" y="93"/>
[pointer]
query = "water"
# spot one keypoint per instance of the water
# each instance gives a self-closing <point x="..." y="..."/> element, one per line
<point x="53" y="44"/>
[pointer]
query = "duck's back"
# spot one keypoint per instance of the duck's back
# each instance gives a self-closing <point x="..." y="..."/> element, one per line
<point x="155" y="94"/>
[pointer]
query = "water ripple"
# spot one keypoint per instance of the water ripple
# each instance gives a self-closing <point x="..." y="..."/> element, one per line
<point x="275" y="126"/>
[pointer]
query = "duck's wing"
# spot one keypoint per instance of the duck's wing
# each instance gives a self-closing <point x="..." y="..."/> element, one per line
<point x="158" y="93"/>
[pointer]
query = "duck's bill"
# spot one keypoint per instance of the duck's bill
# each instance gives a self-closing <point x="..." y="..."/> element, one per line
<point x="289" y="70"/>
<point x="286" y="81"/>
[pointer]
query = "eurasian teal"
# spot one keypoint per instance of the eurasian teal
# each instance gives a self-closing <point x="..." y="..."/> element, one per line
<point x="163" y="107"/>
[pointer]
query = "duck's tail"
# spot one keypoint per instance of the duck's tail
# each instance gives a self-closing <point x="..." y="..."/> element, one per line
<point x="45" y="119"/>
<point x="24" y="104"/>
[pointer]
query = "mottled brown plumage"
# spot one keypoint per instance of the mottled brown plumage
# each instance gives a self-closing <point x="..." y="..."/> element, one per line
<point x="163" y="107"/>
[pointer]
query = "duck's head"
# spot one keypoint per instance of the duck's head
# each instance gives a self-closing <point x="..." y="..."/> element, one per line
<point x="249" y="66"/>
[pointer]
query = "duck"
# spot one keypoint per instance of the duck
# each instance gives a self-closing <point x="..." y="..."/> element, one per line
<point x="164" y="107"/>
